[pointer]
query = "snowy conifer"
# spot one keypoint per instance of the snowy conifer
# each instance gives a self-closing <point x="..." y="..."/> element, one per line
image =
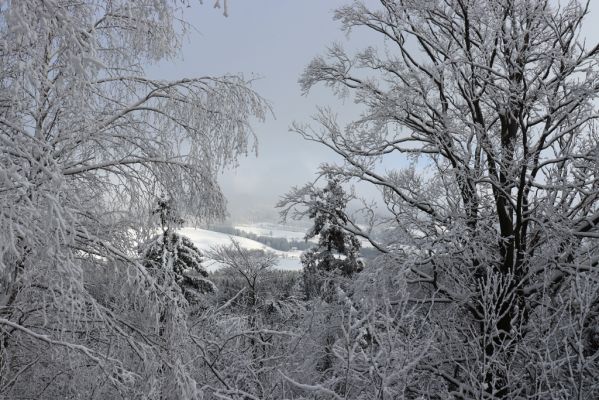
<point x="337" y="251"/>
<point x="171" y="253"/>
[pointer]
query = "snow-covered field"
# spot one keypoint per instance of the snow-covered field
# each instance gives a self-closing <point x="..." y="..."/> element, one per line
<point x="273" y="230"/>
<point x="283" y="231"/>
<point x="205" y="240"/>
<point x="288" y="260"/>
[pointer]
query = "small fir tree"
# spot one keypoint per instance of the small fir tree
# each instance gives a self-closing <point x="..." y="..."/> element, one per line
<point x="176" y="254"/>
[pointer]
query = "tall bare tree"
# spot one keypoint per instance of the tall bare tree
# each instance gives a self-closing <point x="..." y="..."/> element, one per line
<point x="492" y="105"/>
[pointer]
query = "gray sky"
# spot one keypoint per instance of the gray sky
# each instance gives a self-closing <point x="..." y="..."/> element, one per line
<point x="274" y="40"/>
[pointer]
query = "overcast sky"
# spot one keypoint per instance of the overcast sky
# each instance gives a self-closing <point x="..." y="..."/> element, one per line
<point x="274" y="40"/>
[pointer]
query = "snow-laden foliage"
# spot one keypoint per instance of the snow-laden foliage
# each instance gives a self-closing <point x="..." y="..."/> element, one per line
<point x="249" y="340"/>
<point x="87" y="141"/>
<point x="172" y="256"/>
<point x="172" y="253"/>
<point x="492" y="105"/>
<point x="368" y="342"/>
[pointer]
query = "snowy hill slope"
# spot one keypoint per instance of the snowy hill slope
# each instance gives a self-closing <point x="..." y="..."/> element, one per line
<point x="205" y="240"/>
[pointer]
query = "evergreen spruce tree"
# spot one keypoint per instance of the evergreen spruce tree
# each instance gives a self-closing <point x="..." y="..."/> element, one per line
<point x="336" y="255"/>
<point x="170" y="253"/>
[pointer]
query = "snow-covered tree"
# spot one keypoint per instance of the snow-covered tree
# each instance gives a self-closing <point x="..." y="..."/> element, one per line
<point x="172" y="254"/>
<point x="336" y="254"/>
<point x="248" y="342"/>
<point x="492" y="104"/>
<point x="252" y="266"/>
<point x="87" y="141"/>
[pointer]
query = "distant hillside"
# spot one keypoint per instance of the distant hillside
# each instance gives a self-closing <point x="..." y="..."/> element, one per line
<point x="206" y="239"/>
